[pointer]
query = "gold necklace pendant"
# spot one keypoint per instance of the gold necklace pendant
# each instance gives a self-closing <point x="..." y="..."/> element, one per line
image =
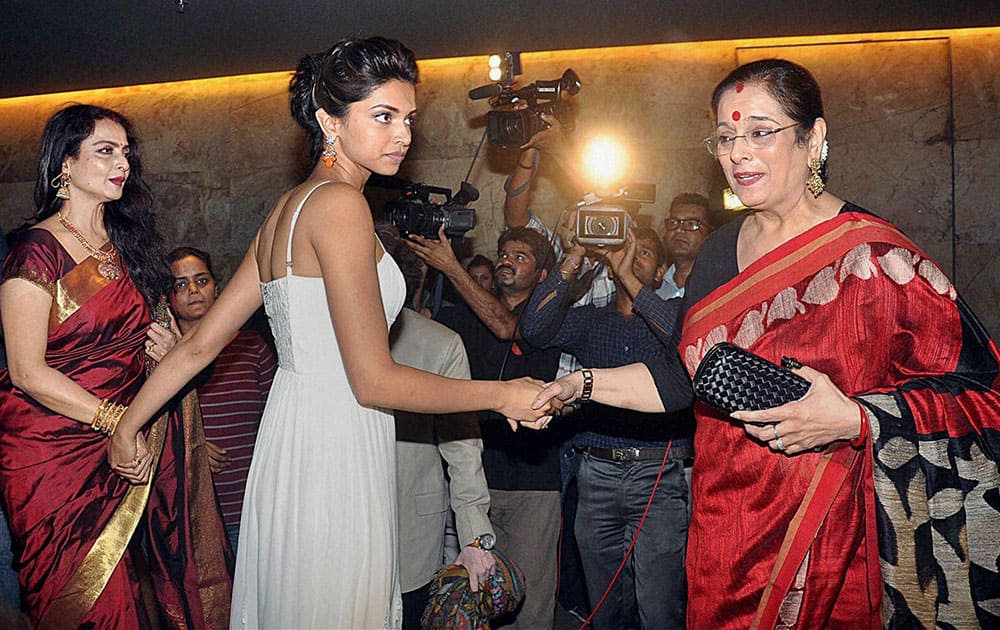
<point x="107" y="267"/>
<point x="109" y="270"/>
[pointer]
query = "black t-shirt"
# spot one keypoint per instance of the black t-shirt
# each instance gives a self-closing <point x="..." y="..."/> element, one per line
<point x="522" y="460"/>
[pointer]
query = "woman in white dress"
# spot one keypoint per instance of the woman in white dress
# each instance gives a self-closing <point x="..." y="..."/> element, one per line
<point x="318" y="548"/>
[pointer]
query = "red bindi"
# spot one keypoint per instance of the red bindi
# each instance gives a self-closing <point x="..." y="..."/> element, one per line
<point x="736" y="115"/>
<point x="739" y="87"/>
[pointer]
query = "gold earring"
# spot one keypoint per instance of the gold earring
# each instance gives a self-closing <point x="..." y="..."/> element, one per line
<point x="329" y="152"/>
<point x="61" y="182"/>
<point x="815" y="183"/>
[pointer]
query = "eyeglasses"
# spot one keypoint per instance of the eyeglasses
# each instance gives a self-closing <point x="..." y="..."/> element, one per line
<point x="687" y="225"/>
<point x="721" y="144"/>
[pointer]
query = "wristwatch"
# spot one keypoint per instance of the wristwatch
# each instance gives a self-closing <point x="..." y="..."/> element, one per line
<point x="484" y="542"/>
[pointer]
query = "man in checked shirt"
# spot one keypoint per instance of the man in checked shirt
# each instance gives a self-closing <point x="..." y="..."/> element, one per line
<point x="622" y="451"/>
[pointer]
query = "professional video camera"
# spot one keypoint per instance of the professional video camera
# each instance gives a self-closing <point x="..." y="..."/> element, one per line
<point x="604" y="221"/>
<point x="414" y="213"/>
<point x="509" y="127"/>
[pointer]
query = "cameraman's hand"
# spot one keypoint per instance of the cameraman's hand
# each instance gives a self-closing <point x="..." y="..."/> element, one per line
<point x="550" y="140"/>
<point x="567" y="234"/>
<point x="621" y="260"/>
<point x="437" y="254"/>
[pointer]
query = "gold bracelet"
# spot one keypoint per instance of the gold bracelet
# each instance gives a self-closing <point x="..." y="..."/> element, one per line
<point x="113" y="425"/>
<point x="97" y="422"/>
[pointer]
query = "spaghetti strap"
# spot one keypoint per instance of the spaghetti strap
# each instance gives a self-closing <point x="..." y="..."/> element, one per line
<point x="291" y="227"/>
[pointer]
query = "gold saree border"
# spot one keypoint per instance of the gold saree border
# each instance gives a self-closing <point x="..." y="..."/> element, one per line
<point x="215" y="586"/>
<point x="81" y="592"/>
<point x="73" y="290"/>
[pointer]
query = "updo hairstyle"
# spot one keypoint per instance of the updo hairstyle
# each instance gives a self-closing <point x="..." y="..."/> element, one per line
<point x="345" y="74"/>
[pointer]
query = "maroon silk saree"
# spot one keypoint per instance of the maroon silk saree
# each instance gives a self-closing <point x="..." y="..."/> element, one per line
<point x="903" y="532"/>
<point x="74" y="522"/>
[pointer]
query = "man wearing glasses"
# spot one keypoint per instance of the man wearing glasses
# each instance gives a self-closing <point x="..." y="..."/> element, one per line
<point x="685" y="228"/>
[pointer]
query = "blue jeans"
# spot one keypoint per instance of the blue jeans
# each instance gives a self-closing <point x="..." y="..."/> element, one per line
<point x="10" y="590"/>
<point x="572" y="588"/>
<point x="651" y="591"/>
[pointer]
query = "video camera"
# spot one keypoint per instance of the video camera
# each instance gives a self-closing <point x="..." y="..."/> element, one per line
<point x="604" y="222"/>
<point x="508" y="127"/>
<point x="414" y="213"/>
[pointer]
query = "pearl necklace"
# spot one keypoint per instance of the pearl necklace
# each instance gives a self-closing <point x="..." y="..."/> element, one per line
<point x="108" y="268"/>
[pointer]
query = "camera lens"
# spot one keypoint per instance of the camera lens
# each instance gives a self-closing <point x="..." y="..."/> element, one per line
<point x="602" y="225"/>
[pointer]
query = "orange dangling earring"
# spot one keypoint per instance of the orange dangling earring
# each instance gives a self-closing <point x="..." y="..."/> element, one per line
<point x="329" y="152"/>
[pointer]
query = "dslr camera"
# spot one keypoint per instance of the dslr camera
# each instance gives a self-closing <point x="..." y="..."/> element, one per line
<point x="415" y="213"/>
<point x="509" y="127"/>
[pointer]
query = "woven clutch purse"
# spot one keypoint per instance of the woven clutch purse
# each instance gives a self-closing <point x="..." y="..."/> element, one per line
<point x="733" y="379"/>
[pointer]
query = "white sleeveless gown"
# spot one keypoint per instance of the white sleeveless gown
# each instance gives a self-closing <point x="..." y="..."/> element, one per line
<point x="318" y="540"/>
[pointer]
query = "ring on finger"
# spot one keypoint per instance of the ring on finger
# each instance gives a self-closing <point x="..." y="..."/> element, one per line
<point x="781" y="445"/>
<point x="774" y="427"/>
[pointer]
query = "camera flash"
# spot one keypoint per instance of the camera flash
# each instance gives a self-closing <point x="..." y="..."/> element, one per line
<point x="494" y="61"/>
<point x="604" y="162"/>
<point x="495" y="74"/>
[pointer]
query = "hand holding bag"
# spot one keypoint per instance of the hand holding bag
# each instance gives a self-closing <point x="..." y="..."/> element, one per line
<point x="733" y="379"/>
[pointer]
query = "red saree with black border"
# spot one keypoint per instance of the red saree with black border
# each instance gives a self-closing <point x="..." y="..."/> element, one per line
<point x="76" y="525"/>
<point x="902" y="533"/>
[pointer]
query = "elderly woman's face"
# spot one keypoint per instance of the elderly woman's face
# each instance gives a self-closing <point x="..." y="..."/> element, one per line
<point x="768" y="171"/>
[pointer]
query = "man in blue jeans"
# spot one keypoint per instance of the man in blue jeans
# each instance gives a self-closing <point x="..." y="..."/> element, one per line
<point x="623" y="451"/>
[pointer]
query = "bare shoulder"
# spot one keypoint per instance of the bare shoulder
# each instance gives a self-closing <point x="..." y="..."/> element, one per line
<point x="337" y="210"/>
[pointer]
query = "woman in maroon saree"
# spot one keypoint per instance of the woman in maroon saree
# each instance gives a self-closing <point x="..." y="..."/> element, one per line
<point x="76" y="321"/>
<point x="874" y="499"/>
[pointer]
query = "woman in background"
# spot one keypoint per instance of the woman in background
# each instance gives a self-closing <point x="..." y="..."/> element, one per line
<point x="318" y="533"/>
<point x="76" y="304"/>
<point x="874" y="499"/>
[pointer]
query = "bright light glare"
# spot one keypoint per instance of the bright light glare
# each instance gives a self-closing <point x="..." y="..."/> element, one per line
<point x="604" y="163"/>
<point x="495" y="74"/>
<point x="494" y="61"/>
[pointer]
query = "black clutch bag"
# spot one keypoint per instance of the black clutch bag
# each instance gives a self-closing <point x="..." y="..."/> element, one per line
<point x="733" y="379"/>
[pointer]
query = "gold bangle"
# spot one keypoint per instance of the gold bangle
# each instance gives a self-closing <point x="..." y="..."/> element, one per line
<point x="113" y="425"/>
<point x="97" y="422"/>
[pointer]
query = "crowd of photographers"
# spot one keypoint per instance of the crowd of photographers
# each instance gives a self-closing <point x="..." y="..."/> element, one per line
<point x="595" y="508"/>
<point x="600" y="476"/>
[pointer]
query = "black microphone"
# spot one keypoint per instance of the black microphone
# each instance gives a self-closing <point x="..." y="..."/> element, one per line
<point x="485" y="91"/>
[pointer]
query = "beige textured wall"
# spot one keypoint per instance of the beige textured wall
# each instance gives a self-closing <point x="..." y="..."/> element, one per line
<point x="912" y="118"/>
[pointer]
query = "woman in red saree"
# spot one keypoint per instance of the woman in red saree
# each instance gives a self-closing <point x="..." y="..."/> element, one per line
<point x="873" y="500"/>
<point x="76" y="317"/>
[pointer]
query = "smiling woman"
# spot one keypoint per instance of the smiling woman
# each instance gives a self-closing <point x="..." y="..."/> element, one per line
<point x="870" y="501"/>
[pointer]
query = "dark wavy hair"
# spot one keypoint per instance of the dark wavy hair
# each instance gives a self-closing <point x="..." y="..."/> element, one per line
<point x="346" y="73"/>
<point x="128" y="220"/>
<point x="790" y="84"/>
